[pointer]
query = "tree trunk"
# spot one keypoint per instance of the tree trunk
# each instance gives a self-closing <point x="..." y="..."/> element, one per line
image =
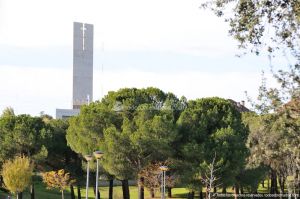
<point x="169" y="192"/>
<point x="141" y="188"/>
<point x="215" y="189"/>
<point x="32" y="194"/>
<point x="296" y="184"/>
<point x="236" y="191"/>
<point x="62" y="194"/>
<point x="125" y="188"/>
<point x="201" y="194"/>
<point x="224" y="190"/>
<point x="191" y="195"/>
<point x="78" y="192"/>
<point x="281" y="184"/>
<point x="263" y="183"/>
<point x="241" y="191"/>
<point x="111" y="189"/>
<point x="274" y="187"/>
<point x="95" y="192"/>
<point x="20" y="195"/>
<point x="72" y="192"/>
<point x="207" y="194"/>
<point x="272" y="183"/>
<point x="152" y="193"/>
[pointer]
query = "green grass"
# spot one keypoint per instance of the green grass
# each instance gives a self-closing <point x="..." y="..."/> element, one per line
<point x="42" y="193"/>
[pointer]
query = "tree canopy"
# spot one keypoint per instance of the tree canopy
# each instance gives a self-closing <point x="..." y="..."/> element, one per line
<point x="271" y="26"/>
<point x="17" y="174"/>
<point x="212" y="127"/>
<point x="132" y="126"/>
<point x="28" y="134"/>
<point x="257" y="23"/>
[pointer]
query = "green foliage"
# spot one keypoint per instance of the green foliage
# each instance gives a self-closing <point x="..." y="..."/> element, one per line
<point x="117" y="151"/>
<point x="8" y="112"/>
<point x="250" y="178"/>
<point x="85" y="132"/>
<point x="208" y="126"/>
<point x="59" y="152"/>
<point x="57" y="143"/>
<point x="274" y="25"/>
<point x="17" y="174"/>
<point x="146" y="133"/>
<point x="22" y="134"/>
<point x="273" y="142"/>
<point x="261" y="23"/>
<point x="268" y="26"/>
<point x="43" y="139"/>
<point x="41" y="155"/>
<point x="132" y="126"/>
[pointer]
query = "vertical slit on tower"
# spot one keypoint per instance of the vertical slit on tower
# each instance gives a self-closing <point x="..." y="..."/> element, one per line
<point x="83" y="35"/>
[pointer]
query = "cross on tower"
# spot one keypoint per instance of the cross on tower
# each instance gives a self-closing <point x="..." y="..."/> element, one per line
<point x="83" y="28"/>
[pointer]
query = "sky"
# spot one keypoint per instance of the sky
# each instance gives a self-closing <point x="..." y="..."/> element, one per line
<point x="170" y="44"/>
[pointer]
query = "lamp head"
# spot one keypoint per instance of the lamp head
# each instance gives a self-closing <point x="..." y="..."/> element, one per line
<point x="88" y="157"/>
<point x="163" y="168"/>
<point x="98" y="154"/>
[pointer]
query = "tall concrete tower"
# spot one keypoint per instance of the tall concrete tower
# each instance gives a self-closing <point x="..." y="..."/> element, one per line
<point x="82" y="64"/>
<point x="82" y="69"/>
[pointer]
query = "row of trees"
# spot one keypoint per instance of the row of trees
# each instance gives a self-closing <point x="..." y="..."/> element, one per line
<point x="41" y="139"/>
<point x="271" y="27"/>
<point x="139" y="129"/>
<point x="135" y="128"/>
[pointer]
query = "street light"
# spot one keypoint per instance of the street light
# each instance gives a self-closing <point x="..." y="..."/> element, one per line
<point x="88" y="158"/>
<point x="163" y="180"/>
<point x="98" y="155"/>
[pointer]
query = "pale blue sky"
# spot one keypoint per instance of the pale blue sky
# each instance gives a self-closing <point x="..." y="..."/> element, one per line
<point x="170" y="44"/>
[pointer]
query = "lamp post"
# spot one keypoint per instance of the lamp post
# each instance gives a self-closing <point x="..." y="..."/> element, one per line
<point x="88" y="158"/>
<point x="98" y="155"/>
<point x="163" y="180"/>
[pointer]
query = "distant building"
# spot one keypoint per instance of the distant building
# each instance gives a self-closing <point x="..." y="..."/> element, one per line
<point x="66" y="113"/>
<point x="240" y="106"/>
<point x="82" y="69"/>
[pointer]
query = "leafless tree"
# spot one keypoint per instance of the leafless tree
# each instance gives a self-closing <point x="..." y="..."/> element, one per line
<point x="210" y="179"/>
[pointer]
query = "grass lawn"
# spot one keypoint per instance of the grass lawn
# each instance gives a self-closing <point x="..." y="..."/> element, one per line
<point x="42" y="193"/>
